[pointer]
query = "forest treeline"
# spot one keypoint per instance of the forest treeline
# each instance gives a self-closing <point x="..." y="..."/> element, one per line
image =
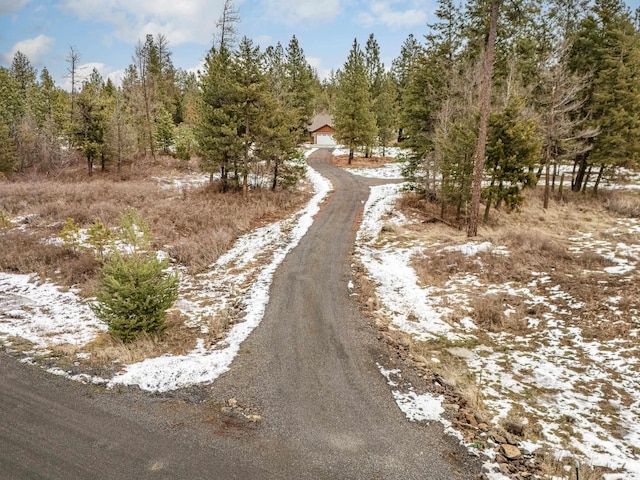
<point x="565" y="92"/>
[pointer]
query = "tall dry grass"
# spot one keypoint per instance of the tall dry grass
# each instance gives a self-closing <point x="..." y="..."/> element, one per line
<point x="195" y="225"/>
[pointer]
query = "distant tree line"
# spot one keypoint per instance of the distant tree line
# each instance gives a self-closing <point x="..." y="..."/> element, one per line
<point x="247" y="110"/>
<point x="565" y="93"/>
<point x="565" y="101"/>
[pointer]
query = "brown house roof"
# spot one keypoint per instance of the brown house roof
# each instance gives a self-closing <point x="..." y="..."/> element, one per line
<point x="320" y="121"/>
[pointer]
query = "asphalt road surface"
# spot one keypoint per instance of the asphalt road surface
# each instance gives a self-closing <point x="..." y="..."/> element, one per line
<point x="309" y="370"/>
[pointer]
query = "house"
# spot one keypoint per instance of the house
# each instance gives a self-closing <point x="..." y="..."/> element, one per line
<point x="321" y="131"/>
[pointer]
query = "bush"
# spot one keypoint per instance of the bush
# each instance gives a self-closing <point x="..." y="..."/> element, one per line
<point x="136" y="291"/>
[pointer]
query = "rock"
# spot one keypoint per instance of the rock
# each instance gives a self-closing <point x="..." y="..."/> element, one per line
<point x="483" y="426"/>
<point x="370" y="302"/>
<point x="510" y="439"/>
<point x="451" y="406"/>
<point x="504" y="468"/>
<point x="232" y="402"/>
<point x="514" y="428"/>
<point x="498" y="438"/>
<point x="501" y="459"/>
<point x="510" y="451"/>
<point x="471" y="420"/>
<point x="254" y="418"/>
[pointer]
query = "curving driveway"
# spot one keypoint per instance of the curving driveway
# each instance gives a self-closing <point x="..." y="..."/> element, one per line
<point x="309" y="370"/>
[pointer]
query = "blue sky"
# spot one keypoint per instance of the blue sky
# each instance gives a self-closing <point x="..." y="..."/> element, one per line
<point x="105" y="32"/>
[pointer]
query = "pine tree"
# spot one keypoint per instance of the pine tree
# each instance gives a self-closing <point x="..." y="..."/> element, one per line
<point x="22" y="71"/>
<point x="8" y="154"/>
<point x="386" y="103"/>
<point x="354" y="120"/>
<point x="375" y="77"/>
<point x="135" y="291"/>
<point x="163" y="132"/>
<point x="513" y="151"/>
<point x="250" y="109"/>
<point x="91" y="109"/>
<point x="216" y="129"/>
<point x="401" y="71"/>
<point x="485" y="101"/>
<point x="608" y="47"/>
<point x="299" y="81"/>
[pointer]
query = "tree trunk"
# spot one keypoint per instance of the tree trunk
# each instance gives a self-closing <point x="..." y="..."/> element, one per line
<point x="90" y="165"/>
<point x="597" y="184"/>
<point x="547" y="174"/>
<point x="586" y="180"/>
<point x="245" y="163"/>
<point x="581" y="162"/>
<point x="561" y="186"/>
<point x="275" y="175"/>
<point x="485" y="103"/>
<point x="350" y="155"/>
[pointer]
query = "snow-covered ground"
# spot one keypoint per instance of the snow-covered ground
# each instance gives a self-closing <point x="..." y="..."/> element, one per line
<point x="46" y="315"/>
<point x="389" y="152"/>
<point x="583" y="394"/>
<point x="390" y="171"/>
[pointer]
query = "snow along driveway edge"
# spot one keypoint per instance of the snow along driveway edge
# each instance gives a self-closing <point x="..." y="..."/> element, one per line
<point x="171" y="372"/>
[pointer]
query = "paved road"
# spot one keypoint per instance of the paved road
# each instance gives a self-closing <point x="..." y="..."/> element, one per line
<point x="309" y="370"/>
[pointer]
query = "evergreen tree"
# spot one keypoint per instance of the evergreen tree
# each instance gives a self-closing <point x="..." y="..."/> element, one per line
<point x="91" y="109"/>
<point x="299" y="82"/>
<point x="513" y="151"/>
<point x="251" y="102"/>
<point x="135" y="291"/>
<point x="22" y="71"/>
<point x="386" y="102"/>
<point x="163" y="132"/>
<point x="277" y="145"/>
<point x="607" y="46"/>
<point x="375" y="77"/>
<point x="8" y="154"/>
<point x="216" y="129"/>
<point x="354" y="120"/>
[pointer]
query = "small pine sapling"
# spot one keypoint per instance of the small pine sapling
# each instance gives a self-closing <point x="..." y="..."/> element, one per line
<point x="136" y="290"/>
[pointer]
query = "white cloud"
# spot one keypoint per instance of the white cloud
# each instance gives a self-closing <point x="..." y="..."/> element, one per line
<point x="34" y="48"/>
<point x="294" y="12"/>
<point x="383" y="13"/>
<point x="316" y="64"/>
<point x="10" y="6"/>
<point x="84" y="70"/>
<point x="181" y="21"/>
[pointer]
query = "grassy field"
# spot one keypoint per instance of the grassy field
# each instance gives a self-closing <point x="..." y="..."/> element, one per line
<point x="536" y="322"/>
<point x="189" y="218"/>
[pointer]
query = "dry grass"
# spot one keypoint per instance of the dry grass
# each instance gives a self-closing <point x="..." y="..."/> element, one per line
<point x="177" y="339"/>
<point x="195" y="226"/>
<point x="624" y="203"/>
<point x="25" y="252"/>
<point x="543" y="260"/>
<point x="565" y="468"/>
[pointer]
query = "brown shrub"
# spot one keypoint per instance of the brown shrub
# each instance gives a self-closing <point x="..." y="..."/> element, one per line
<point x="195" y="225"/>
<point x="25" y="253"/>
<point x="488" y="312"/>
<point x="624" y="203"/>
